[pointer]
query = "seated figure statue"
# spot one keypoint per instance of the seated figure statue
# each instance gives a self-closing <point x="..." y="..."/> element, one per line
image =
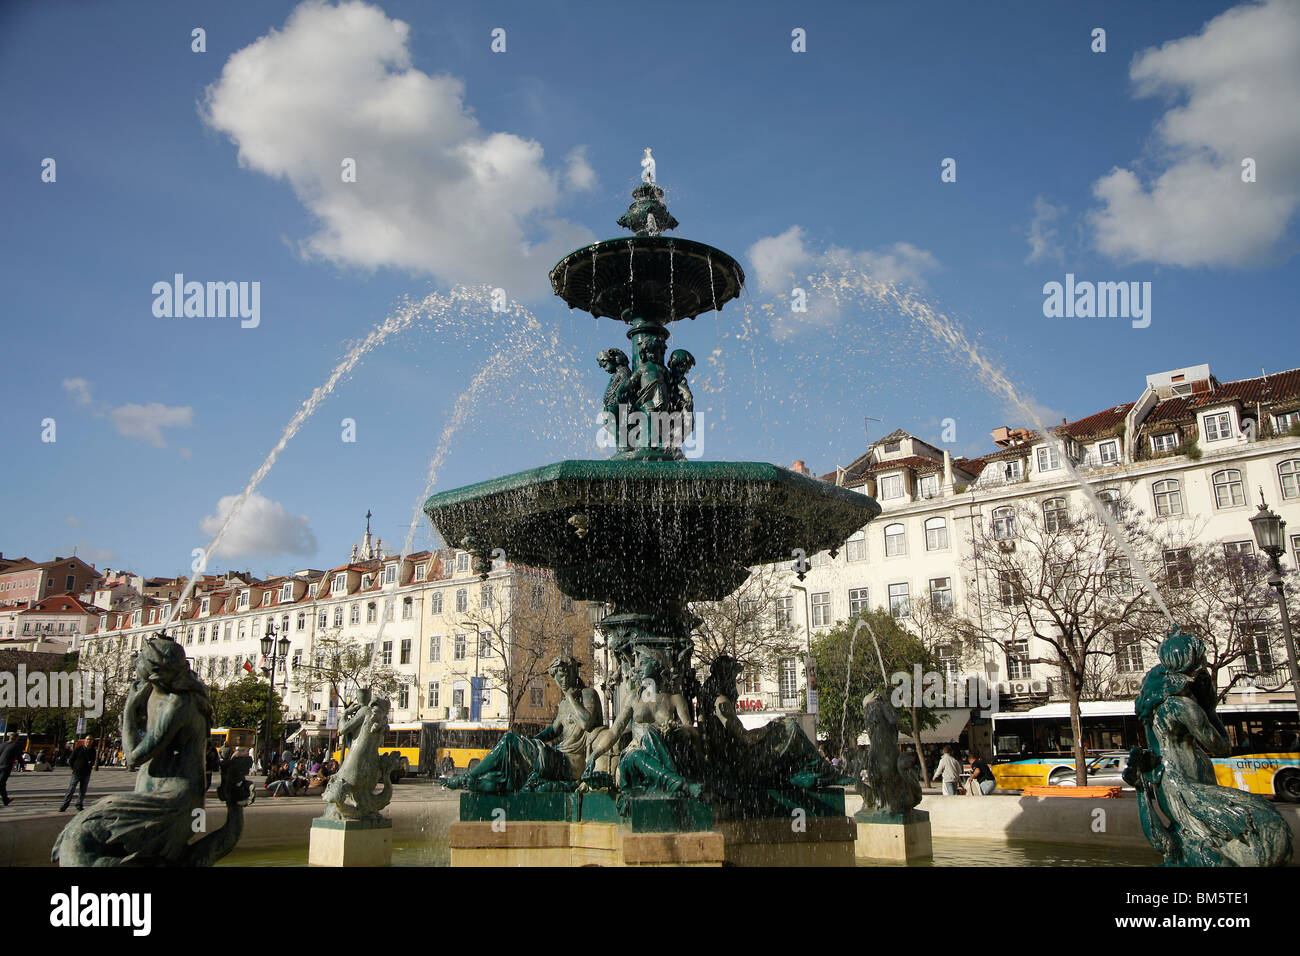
<point x="776" y="755"/>
<point x="664" y="754"/>
<point x="553" y="759"/>
<point x="892" y="785"/>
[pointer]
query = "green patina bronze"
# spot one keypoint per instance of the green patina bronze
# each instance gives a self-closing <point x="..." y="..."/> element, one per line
<point x="1186" y="814"/>
<point x="648" y="532"/>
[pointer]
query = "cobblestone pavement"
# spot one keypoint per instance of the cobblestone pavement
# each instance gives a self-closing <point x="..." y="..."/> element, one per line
<point x="40" y="794"/>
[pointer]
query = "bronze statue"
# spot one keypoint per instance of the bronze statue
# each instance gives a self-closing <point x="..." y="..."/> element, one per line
<point x="1209" y="825"/>
<point x="165" y="727"/>
<point x="892" y="785"/>
<point x="350" y="793"/>
<point x="553" y="759"/>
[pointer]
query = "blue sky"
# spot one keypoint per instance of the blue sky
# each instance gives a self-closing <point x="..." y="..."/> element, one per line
<point x="482" y="167"/>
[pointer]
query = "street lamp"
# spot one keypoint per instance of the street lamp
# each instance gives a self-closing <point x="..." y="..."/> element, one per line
<point x="270" y="647"/>
<point x="1269" y="535"/>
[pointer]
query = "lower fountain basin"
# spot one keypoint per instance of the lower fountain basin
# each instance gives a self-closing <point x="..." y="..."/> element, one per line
<point x="639" y="534"/>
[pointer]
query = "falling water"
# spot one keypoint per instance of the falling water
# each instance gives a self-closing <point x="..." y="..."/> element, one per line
<point x="848" y="674"/>
<point x="994" y="379"/>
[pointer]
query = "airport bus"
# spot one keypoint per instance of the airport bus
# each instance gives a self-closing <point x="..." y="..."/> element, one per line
<point x="440" y="746"/>
<point x="1035" y="747"/>
<point x="238" y="739"/>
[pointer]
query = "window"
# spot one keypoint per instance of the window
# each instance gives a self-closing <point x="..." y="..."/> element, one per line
<point x="1239" y="556"/>
<point x="312" y="588"/>
<point x="859" y="600"/>
<point x="855" y="549"/>
<point x="1286" y="421"/>
<point x="226" y="632"/>
<point x="406" y="651"/>
<point x="928" y="487"/>
<point x="459" y="650"/>
<point x="323" y="618"/>
<point x="435" y="602"/>
<point x="1018" y="659"/>
<point x="302" y="620"/>
<point x="462" y="560"/>
<point x="751" y="682"/>
<point x="536" y="695"/>
<point x="1166" y="442"/>
<point x="1228" y="489"/>
<point x="206" y="606"/>
<point x="435" y="647"/>
<point x="949" y="656"/>
<point x="286" y="592"/>
<point x="1108" y="452"/>
<point x="1010" y="593"/>
<point x="484" y="645"/>
<point x="458" y="697"/>
<point x="900" y="604"/>
<point x="1109" y="498"/>
<point x="1118" y="576"/>
<point x="1178" y="568"/>
<point x="1256" y="647"/>
<point x="537" y="597"/>
<point x="372" y="612"/>
<point x="1288" y="472"/>
<point x="895" y="540"/>
<point x="893" y="447"/>
<point x="821" y="608"/>
<point x="407" y="608"/>
<point x="433" y="696"/>
<point x="420" y="571"/>
<point x="388" y="609"/>
<point x="891" y="486"/>
<point x="1055" y="515"/>
<point x="268" y="598"/>
<point x="339" y="584"/>
<point x="390" y="574"/>
<point x="820" y="559"/>
<point x="1013" y="470"/>
<point x="788" y="678"/>
<point x="203" y="636"/>
<point x="1004" y="523"/>
<point x="243" y="625"/>
<point x="1048" y="458"/>
<point x="1169" y="497"/>
<point x="1217" y="427"/>
<point x="784" y="610"/>
<point x="338" y="615"/>
<point x="386" y="653"/>
<point x="403" y="697"/>
<point x="354" y="615"/>
<point x="941" y="595"/>
<point x="485" y="599"/>
<point x="936" y="534"/>
<point x="365" y="582"/>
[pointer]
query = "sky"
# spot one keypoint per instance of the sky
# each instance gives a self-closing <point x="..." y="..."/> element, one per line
<point x="970" y="154"/>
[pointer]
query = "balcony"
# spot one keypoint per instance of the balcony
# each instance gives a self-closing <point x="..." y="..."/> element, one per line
<point x="1272" y="679"/>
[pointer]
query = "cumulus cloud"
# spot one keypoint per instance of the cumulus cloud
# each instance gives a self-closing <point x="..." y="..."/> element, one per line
<point x="79" y="390"/>
<point x="578" y="174"/>
<point x="146" y="422"/>
<point x="434" y="192"/>
<point x="1235" y="85"/>
<point x="263" y="528"/>
<point x="1044" y="242"/>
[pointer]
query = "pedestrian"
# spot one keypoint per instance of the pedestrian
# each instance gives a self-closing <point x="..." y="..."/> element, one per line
<point x="949" y="770"/>
<point x="82" y="762"/>
<point x="212" y="762"/>
<point x="11" y="753"/>
<point x="981" y="782"/>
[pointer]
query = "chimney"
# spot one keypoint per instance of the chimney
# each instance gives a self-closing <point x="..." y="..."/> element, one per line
<point x="947" y="470"/>
<point x="800" y="467"/>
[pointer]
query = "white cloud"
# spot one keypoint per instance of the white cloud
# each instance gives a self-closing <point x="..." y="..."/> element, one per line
<point x="262" y="528"/>
<point x="1044" y="243"/>
<point x="146" y="422"/>
<point x="1237" y="84"/>
<point x="902" y="263"/>
<point x="777" y="262"/>
<point x="434" y="192"/>
<point x="79" y="390"/>
<point x="578" y="174"/>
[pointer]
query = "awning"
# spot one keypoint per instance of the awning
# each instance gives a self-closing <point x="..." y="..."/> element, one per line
<point x="947" y="730"/>
<point x="751" y="721"/>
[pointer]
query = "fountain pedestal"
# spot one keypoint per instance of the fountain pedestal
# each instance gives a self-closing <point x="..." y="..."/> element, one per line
<point x="893" y="837"/>
<point x="351" y="842"/>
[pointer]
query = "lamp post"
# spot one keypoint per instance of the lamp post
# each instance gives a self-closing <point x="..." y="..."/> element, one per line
<point x="273" y="651"/>
<point x="1269" y="535"/>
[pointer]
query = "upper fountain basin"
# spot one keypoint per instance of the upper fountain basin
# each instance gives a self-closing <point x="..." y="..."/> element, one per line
<point x="652" y="532"/>
<point x="655" y="277"/>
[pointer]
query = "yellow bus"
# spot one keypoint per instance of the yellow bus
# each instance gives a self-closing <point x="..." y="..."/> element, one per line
<point x="442" y="747"/>
<point x="238" y="739"/>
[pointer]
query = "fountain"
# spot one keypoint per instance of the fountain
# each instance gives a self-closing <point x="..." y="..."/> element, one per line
<point x="649" y="531"/>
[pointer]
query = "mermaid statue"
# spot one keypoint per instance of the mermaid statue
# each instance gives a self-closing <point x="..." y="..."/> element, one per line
<point x="350" y="793"/>
<point x="165" y="726"/>
<point x="1209" y="825"/>
<point x="553" y="759"/>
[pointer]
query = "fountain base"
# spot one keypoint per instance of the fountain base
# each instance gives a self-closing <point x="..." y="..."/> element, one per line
<point x="893" y="837"/>
<point x="351" y="842"/>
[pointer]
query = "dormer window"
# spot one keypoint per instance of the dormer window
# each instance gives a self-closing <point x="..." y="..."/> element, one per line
<point x="892" y="447"/>
<point x="1217" y="427"/>
<point x="340" y="584"/>
<point x="311" y="589"/>
<point x="462" y="560"/>
<point x="1108" y="452"/>
<point x="286" y="593"/>
<point x="242" y="603"/>
<point x="390" y="574"/>
<point x="928" y="486"/>
<point x="420" y="572"/>
<point x="891" y="486"/>
<point x="1013" y="470"/>
<point x="206" y="607"/>
<point x="365" y="582"/>
<point x="1048" y="458"/>
<point x="1286" y="421"/>
<point x="268" y="599"/>
<point x="1166" y="442"/>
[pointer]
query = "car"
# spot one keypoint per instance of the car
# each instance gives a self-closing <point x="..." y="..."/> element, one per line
<point x="1057" y="770"/>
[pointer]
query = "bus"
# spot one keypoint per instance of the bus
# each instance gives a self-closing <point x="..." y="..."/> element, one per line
<point x="239" y="739"/>
<point x="441" y="747"/>
<point x="1035" y="747"/>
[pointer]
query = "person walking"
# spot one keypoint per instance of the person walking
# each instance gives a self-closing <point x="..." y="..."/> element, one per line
<point x="949" y="770"/>
<point x="11" y="752"/>
<point x="82" y="762"/>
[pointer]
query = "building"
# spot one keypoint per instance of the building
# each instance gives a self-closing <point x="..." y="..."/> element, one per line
<point x="1190" y="448"/>
<point x="25" y="580"/>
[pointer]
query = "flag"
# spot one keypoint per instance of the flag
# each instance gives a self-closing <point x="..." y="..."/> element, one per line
<point x="248" y="665"/>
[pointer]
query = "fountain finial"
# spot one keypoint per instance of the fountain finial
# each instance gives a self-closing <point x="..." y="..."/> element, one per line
<point x="648" y="167"/>
<point x="647" y="216"/>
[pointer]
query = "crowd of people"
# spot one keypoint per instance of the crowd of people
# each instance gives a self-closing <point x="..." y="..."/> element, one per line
<point x="292" y="774"/>
<point x="970" y="775"/>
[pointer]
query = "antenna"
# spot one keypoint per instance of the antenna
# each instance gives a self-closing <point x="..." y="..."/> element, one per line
<point x="866" y="429"/>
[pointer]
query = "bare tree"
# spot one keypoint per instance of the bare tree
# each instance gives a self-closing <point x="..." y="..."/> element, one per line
<point x="1058" y="577"/>
<point x="522" y="630"/>
<point x="744" y="624"/>
<point x="344" y="664"/>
